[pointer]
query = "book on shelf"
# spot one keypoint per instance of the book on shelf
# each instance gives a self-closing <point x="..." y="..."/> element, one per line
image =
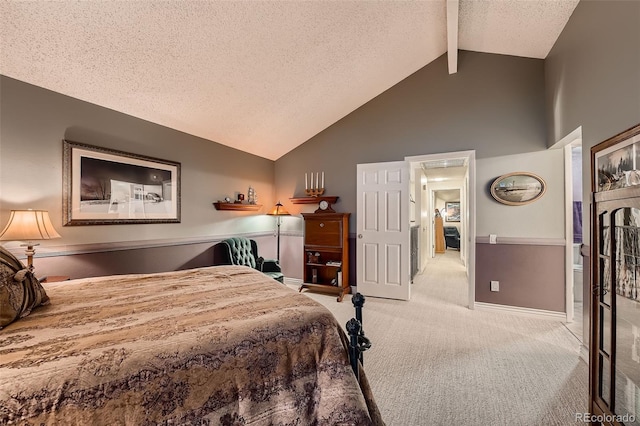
<point x="337" y="281"/>
<point x="334" y="263"/>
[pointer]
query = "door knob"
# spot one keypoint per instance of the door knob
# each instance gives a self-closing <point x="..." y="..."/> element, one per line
<point x="359" y="235"/>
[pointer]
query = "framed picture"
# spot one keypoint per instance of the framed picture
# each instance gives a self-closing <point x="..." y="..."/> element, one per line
<point x="105" y="187"/>
<point x="617" y="161"/>
<point x="517" y="189"/>
<point x="453" y="212"/>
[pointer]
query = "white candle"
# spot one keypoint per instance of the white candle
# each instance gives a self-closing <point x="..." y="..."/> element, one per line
<point x="317" y="180"/>
<point x="305" y="182"/>
<point x="322" y="180"/>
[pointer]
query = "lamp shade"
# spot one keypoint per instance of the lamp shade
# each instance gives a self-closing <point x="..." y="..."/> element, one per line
<point x="279" y="210"/>
<point x="29" y="225"/>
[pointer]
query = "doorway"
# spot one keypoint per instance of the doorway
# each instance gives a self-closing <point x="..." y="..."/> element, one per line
<point x="437" y="179"/>
<point x="392" y="201"/>
<point x="446" y="206"/>
<point x="576" y="304"/>
<point x="573" y="219"/>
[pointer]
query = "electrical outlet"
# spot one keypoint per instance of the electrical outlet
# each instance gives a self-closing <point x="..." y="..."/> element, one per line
<point x="495" y="285"/>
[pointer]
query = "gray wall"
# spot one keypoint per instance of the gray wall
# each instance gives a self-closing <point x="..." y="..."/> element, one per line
<point x="540" y="219"/>
<point x="592" y="73"/>
<point x="592" y="80"/>
<point x="500" y="106"/>
<point x="34" y="122"/>
<point x="494" y="104"/>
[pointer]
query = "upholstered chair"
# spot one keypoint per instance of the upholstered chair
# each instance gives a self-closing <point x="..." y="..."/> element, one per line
<point x="244" y="251"/>
<point x="452" y="237"/>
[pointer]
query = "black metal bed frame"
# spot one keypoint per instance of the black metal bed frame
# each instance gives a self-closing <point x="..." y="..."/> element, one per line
<point x="358" y="342"/>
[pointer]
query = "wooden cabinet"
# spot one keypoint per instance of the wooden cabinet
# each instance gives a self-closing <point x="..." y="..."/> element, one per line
<point x="326" y="253"/>
<point x="614" y="343"/>
<point x="439" y="232"/>
<point x="615" y="338"/>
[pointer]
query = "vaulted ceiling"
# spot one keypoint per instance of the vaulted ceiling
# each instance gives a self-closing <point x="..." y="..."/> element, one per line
<point x="259" y="76"/>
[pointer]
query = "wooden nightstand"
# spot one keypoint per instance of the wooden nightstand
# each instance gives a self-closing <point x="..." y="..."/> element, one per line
<point x="54" y="278"/>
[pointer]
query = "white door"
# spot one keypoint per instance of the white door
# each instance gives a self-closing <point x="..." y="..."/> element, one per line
<point x="382" y="243"/>
<point x="432" y="224"/>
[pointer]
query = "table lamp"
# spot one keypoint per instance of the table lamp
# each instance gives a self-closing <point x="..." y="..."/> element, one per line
<point x="28" y="226"/>
<point x="279" y="210"/>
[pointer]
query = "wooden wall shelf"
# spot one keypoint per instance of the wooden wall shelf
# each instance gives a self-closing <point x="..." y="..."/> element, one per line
<point x="313" y="200"/>
<point x="237" y="206"/>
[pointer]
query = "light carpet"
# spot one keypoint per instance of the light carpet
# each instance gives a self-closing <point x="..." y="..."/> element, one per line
<point x="436" y="362"/>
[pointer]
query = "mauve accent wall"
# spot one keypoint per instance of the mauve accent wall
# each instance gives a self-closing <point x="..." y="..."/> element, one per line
<point x="530" y="275"/>
<point x="128" y="261"/>
<point x="139" y="260"/>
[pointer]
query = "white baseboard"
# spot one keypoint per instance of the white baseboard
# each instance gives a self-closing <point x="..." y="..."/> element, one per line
<point x="538" y="313"/>
<point x="584" y="353"/>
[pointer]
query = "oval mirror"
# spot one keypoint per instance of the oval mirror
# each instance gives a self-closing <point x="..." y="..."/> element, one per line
<point x="519" y="188"/>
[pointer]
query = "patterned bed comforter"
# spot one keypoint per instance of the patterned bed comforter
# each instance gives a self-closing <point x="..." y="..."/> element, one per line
<point x="223" y="345"/>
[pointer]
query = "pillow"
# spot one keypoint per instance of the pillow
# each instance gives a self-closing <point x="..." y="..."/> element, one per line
<point x="20" y="290"/>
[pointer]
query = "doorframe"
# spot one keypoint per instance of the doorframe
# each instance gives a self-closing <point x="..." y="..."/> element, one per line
<point x="463" y="242"/>
<point x="432" y="223"/>
<point x="572" y="139"/>
<point x="568" y="223"/>
<point x="470" y="213"/>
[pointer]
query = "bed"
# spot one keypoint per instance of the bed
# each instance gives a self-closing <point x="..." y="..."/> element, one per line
<point x="222" y="345"/>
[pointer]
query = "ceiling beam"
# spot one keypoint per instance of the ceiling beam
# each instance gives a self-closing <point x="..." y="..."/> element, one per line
<point x="452" y="35"/>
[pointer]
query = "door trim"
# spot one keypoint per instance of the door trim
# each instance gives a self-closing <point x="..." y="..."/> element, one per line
<point x="568" y="221"/>
<point x="572" y="139"/>
<point x="470" y="212"/>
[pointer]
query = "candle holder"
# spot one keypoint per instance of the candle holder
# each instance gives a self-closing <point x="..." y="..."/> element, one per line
<point x="314" y="192"/>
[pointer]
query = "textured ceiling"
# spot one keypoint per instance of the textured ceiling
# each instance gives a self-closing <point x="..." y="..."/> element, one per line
<point x="260" y="76"/>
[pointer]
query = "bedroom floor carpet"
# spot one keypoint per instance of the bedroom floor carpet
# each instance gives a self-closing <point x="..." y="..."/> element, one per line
<point x="435" y="362"/>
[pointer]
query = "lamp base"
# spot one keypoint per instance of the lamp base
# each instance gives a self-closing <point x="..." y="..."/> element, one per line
<point x="30" y="251"/>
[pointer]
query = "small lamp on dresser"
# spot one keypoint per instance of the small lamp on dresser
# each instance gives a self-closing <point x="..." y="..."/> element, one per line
<point x="29" y="226"/>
